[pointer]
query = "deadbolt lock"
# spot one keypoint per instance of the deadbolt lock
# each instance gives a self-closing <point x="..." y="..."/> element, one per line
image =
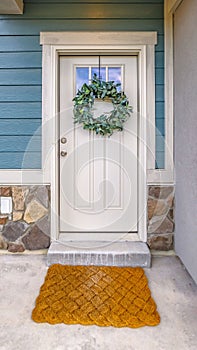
<point x="63" y="140"/>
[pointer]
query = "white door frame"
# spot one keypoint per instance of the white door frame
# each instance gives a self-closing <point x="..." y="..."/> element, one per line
<point x="78" y="43"/>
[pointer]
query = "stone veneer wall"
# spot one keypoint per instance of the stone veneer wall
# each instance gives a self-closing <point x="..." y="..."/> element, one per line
<point x="28" y="224"/>
<point x="161" y="217"/>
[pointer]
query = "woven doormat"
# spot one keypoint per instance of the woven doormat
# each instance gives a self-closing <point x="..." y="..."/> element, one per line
<point x="96" y="295"/>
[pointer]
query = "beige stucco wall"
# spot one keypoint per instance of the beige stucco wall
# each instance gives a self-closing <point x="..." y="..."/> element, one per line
<point x="185" y="113"/>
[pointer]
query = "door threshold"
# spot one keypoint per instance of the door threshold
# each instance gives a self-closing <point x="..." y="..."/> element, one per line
<point x="98" y="237"/>
<point x="127" y="253"/>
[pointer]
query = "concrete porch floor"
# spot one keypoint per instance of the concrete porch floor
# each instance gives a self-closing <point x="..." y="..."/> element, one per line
<point x="172" y="288"/>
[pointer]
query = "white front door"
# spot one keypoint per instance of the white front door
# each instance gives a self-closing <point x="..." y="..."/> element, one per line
<point x="98" y="176"/>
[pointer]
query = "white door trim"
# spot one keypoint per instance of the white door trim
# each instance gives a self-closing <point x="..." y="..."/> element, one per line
<point x="140" y="43"/>
<point x="98" y="38"/>
<point x="172" y="5"/>
<point x="11" y="7"/>
<point x="166" y="175"/>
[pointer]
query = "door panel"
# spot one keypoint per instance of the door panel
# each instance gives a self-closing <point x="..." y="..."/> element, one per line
<point x="98" y="176"/>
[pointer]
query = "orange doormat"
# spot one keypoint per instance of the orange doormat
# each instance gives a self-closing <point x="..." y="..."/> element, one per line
<point x="96" y="295"/>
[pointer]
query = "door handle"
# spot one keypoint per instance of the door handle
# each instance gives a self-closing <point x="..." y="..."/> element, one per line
<point x="63" y="153"/>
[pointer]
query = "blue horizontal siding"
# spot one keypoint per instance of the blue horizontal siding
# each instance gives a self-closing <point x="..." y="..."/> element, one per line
<point x="20" y="93"/>
<point x="21" y="62"/>
<point x="15" y="43"/>
<point x="160" y="43"/>
<point x="159" y="76"/>
<point x="91" y="11"/>
<point x="20" y="110"/>
<point x="159" y="59"/>
<point x="33" y="27"/>
<point x="31" y="43"/>
<point x="160" y="160"/>
<point x="160" y="142"/>
<point x="160" y="127"/>
<point x="159" y="110"/>
<point x="21" y="127"/>
<point x="20" y="160"/>
<point x="159" y="93"/>
<point x="20" y="144"/>
<point x="20" y="76"/>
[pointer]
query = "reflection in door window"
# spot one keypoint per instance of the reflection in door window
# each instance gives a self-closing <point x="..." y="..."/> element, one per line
<point x="85" y="74"/>
<point x="95" y="70"/>
<point x="114" y="73"/>
<point x="82" y="76"/>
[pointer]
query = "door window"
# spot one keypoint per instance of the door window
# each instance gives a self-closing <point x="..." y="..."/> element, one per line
<point x="85" y="74"/>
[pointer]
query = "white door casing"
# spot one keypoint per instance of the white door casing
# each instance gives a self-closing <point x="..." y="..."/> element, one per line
<point x="98" y="175"/>
<point x="117" y="43"/>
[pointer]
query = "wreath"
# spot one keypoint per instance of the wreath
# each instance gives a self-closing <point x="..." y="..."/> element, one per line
<point x="107" y="122"/>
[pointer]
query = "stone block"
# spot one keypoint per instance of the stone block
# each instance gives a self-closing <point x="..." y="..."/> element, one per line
<point x="3" y="243"/>
<point x="48" y="187"/>
<point x="13" y="230"/>
<point x="170" y="200"/>
<point x="161" y="242"/>
<point x="18" y="194"/>
<point x="160" y="192"/>
<point x="156" y="208"/>
<point x="5" y="191"/>
<point x="17" y="215"/>
<point x="16" y="248"/>
<point x="42" y="195"/>
<point x="3" y="220"/>
<point x="36" y="239"/>
<point x="34" y="212"/>
<point x="39" y="193"/>
<point x="162" y="225"/>
<point x="44" y="225"/>
<point x="171" y="214"/>
<point x="31" y="195"/>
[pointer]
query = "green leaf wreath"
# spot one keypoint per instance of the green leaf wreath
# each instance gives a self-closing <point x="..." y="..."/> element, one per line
<point x="108" y="122"/>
